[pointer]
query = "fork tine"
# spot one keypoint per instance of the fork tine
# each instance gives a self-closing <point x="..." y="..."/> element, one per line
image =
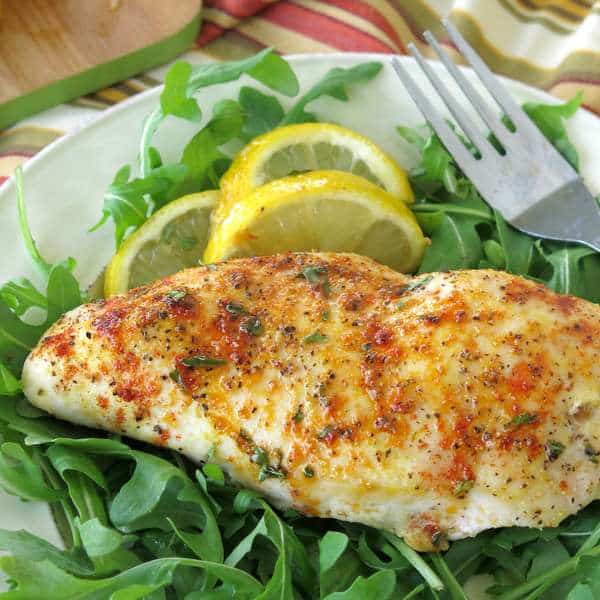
<point x="466" y="123"/>
<point x="449" y="138"/>
<point x="490" y="118"/>
<point x="512" y="110"/>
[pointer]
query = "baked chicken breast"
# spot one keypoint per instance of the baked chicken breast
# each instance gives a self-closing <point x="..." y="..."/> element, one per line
<point x="435" y="406"/>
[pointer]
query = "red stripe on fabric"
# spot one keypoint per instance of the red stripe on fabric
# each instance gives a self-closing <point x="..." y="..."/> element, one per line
<point x="3" y="179"/>
<point x="323" y="28"/>
<point x="593" y="109"/>
<point x="208" y="33"/>
<point x="240" y="9"/>
<point x="25" y="153"/>
<point x="367" y="12"/>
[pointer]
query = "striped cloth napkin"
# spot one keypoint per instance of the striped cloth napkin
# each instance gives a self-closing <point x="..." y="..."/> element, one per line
<point x="551" y="44"/>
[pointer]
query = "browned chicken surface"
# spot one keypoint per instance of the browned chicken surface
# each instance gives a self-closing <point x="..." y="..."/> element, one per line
<point x="435" y="406"/>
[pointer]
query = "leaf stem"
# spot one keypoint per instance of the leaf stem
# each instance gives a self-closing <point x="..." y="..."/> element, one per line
<point x="549" y="577"/>
<point x="416" y="561"/>
<point x="55" y="481"/>
<point x="591" y="541"/>
<point x="415" y="592"/>
<point x="445" y="207"/>
<point x="28" y="240"/>
<point x="150" y="126"/>
<point x="455" y="589"/>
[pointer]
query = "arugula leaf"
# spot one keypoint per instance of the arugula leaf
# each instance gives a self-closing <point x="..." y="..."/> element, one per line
<point x="292" y="558"/>
<point x="83" y="478"/>
<point x="20" y="295"/>
<point x="66" y="458"/>
<point x="9" y="384"/>
<point x="549" y="119"/>
<point x="214" y="473"/>
<point x="367" y="544"/>
<point x="62" y="292"/>
<point x="36" y="430"/>
<point x="275" y="72"/>
<point x="582" y="591"/>
<point x="24" y="544"/>
<point x="261" y="112"/>
<point x="331" y="547"/>
<point x="568" y="276"/>
<point x="455" y="244"/>
<point x="379" y="586"/>
<point x="510" y="537"/>
<point x="175" y="99"/>
<point x="437" y="166"/>
<point x="333" y="84"/>
<point x="465" y="556"/>
<point x="45" y="580"/>
<point x="339" y="565"/>
<point x="550" y="577"/>
<point x="202" y="157"/>
<point x="158" y="490"/>
<point x="107" y="547"/>
<point x="494" y="255"/>
<point x="128" y="202"/>
<point x="21" y="475"/>
<point x="518" y="248"/>
<point x="265" y="66"/>
<point x="17" y="338"/>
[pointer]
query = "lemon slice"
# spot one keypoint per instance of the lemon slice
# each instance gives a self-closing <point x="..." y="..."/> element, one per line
<point x="309" y="147"/>
<point x="321" y="210"/>
<point x="172" y="239"/>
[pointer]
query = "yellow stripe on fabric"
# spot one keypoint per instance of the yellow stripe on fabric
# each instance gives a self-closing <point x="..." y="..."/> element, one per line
<point x="87" y="102"/>
<point x="27" y="138"/>
<point x="394" y="18"/>
<point x="573" y="10"/>
<point x="409" y="31"/>
<point x="111" y="95"/>
<point x="583" y="62"/>
<point x="285" y="40"/>
<point x="220" y="18"/>
<point x="422" y="14"/>
<point x="344" y="16"/>
<point x="524" y="15"/>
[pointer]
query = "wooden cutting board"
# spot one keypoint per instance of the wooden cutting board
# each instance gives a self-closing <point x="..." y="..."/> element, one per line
<point x="52" y="51"/>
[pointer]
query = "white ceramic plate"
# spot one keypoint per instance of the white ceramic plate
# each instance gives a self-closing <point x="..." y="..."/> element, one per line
<point x="65" y="182"/>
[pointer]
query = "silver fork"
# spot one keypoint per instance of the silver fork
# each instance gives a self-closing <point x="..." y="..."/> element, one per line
<point x="532" y="185"/>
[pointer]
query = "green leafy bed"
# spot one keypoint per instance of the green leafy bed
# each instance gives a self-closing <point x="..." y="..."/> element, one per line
<point x="139" y="522"/>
